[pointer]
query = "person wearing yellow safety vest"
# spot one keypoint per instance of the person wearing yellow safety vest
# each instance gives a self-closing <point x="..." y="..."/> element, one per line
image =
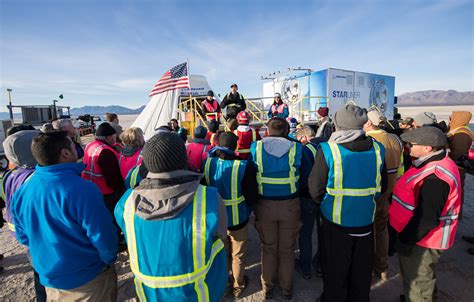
<point x="282" y="169"/>
<point x="460" y="138"/>
<point x="310" y="213"/>
<point x="348" y="173"/>
<point x="394" y="163"/>
<point x="235" y="182"/>
<point x="174" y="228"/>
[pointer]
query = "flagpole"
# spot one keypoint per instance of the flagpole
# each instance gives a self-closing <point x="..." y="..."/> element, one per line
<point x="193" y="124"/>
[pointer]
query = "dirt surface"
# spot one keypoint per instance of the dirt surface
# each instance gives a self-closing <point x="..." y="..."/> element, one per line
<point x="455" y="271"/>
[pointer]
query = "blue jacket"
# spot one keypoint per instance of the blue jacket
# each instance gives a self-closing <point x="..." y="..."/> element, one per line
<point x="63" y="220"/>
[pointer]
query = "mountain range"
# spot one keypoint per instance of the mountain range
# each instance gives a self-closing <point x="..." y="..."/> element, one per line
<point x="436" y="98"/>
<point x="418" y="98"/>
<point x="101" y="110"/>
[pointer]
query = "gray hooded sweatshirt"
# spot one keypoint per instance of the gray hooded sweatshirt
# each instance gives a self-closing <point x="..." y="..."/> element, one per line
<point x="163" y="196"/>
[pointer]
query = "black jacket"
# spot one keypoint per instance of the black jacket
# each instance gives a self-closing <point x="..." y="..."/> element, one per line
<point x="431" y="200"/>
<point x="318" y="178"/>
<point x="237" y="99"/>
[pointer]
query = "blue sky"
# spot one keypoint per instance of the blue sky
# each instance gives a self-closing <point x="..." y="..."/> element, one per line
<point x="113" y="52"/>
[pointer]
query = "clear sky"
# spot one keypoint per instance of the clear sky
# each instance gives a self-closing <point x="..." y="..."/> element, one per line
<point x="113" y="52"/>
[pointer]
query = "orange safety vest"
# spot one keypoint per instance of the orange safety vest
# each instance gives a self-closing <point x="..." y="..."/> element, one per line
<point x="404" y="202"/>
<point x="211" y="108"/>
<point x="127" y="163"/>
<point x="93" y="171"/>
<point x="197" y="154"/>
<point x="244" y="142"/>
<point x="279" y="109"/>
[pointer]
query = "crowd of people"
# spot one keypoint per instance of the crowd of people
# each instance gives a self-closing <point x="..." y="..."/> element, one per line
<point x="182" y="210"/>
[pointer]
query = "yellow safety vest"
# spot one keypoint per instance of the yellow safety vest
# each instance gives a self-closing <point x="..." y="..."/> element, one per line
<point x="338" y="191"/>
<point x="201" y="267"/>
<point x="292" y="178"/>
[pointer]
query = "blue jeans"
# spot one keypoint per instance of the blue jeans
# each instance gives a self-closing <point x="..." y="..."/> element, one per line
<point x="310" y="213"/>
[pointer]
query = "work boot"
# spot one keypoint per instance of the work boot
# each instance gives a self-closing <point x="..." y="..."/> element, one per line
<point x="1" y="269"/>
<point x="288" y="295"/>
<point x="305" y="275"/>
<point x="268" y="294"/>
<point x="470" y="251"/>
<point x="237" y="292"/>
<point x="379" y="279"/>
<point x="1" y="257"/>
<point x="469" y="239"/>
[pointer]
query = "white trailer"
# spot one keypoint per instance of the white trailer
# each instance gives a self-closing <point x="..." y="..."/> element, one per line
<point x="334" y="88"/>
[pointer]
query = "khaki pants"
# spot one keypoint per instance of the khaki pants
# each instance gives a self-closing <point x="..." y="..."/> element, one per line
<point x="278" y="223"/>
<point x="418" y="269"/>
<point x="381" y="235"/>
<point x="102" y="288"/>
<point x="236" y="247"/>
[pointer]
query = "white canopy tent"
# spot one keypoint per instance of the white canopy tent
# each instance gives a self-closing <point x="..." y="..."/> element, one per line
<point x="164" y="106"/>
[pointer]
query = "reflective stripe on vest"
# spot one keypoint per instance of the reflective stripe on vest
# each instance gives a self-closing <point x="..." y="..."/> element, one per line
<point x="199" y="250"/>
<point x="254" y="138"/>
<point x="291" y="180"/>
<point x="312" y="149"/>
<point x="235" y="199"/>
<point x="339" y="191"/>
<point x="11" y="226"/>
<point x="134" y="176"/>
<point x="91" y="172"/>
<point x="212" y="140"/>
<point x="403" y="203"/>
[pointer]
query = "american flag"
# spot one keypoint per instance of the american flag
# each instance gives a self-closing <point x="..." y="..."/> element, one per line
<point x="175" y="78"/>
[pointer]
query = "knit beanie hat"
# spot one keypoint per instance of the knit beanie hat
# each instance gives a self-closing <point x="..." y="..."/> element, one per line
<point x="18" y="148"/>
<point x="228" y="140"/>
<point x="323" y="111"/>
<point x="104" y="130"/>
<point x="200" y="132"/>
<point x="350" y="117"/>
<point x="165" y="152"/>
<point x="375" y="117"/>
<point x="425" y="119"/>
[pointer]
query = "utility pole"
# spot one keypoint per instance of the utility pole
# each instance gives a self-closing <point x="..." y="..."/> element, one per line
<point x="10" y="109"/>
<point x="55" y="114"/>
